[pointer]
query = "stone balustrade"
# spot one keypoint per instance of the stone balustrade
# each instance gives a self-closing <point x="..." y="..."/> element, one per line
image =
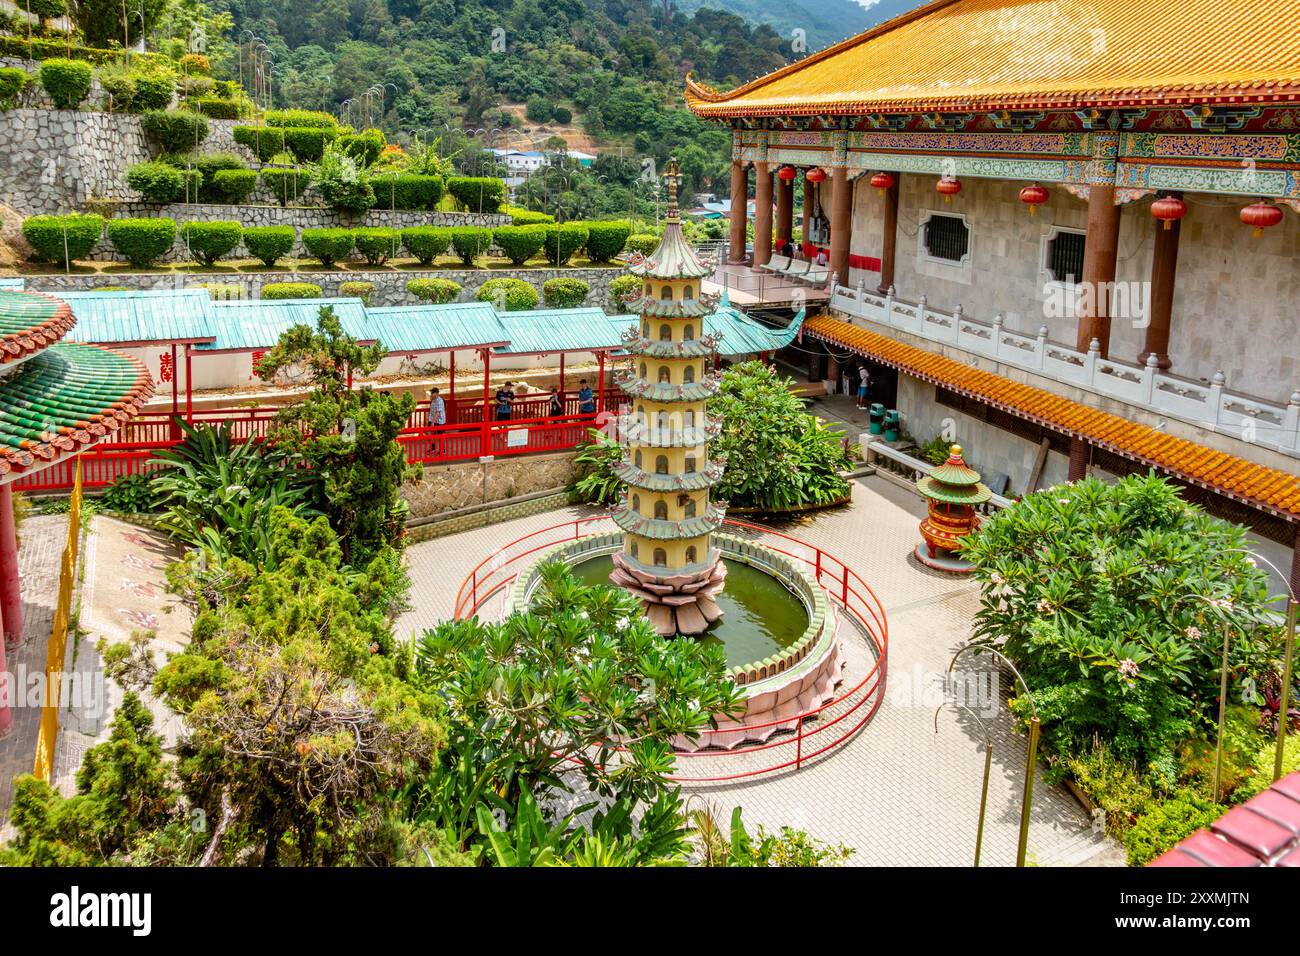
<point x="1211" y="406"/>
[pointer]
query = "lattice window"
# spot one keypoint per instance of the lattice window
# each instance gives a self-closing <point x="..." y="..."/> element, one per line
<point x="947" y="237"/>
<point x="1065" y="256"/>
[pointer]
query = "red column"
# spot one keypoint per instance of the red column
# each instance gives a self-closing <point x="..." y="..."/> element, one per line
<point x="561" y="378"/>
<point x="485" y="442"/>
<point x="6" y="704"/>
<point x="451" y="367"/>
<point x="176" y="395"/>
<point x="1080" y="452"/>
<point x="189" y="389"/>
<point x="1099" y="255"/>
<point x="841" y="224"/>
<point x="889" y="236"/>
<point x="784" y="209"/>
<point x="600" y="383"/>
<point x="11" y="602"/>
<point x="762" y="214"/>
<point x="1164" y="268"/>
<point x="739" y="209"/>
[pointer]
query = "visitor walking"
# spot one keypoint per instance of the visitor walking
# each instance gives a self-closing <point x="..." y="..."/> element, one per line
<point x="505" y="396"/>
<point x="864" y="385"/>
<point x="437" y="409"/>
<point x="586" y="401"/>
<point x="821" y="256"/>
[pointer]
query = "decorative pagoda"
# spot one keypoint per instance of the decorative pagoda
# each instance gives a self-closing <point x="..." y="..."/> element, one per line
<point x="668" y="559"/>
<point x="952" y="490"/>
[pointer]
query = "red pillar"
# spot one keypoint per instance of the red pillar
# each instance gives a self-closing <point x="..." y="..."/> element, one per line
<point x="762" y="214"/>
<point x="841" y="223"/>
<point x="1099" y="256"/>
<point x="739" y="209"/>
<point x="451" y="367"/>
<point x="561" y="378"/>
<point x="176" y="395"/>
<point x="189" y="389"/>
<point x="1160" y="307"/>
<point x="11" y="602"/>
<point x="1080" y="452"/>
<point x="600" y="383"/>
<point x="784" y="209"/>
<point x="485" y="443"/>
<point x="889" y="237"/>
<point x="6" y="704"/>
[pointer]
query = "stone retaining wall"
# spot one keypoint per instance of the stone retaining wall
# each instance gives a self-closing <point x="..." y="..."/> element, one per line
<point x="390" y="284"/>
<point x="467" y="484"/>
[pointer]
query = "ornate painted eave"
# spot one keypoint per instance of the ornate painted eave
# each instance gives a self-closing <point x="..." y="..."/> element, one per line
<point x="652" y="307"/>
<point x="667" y="392"/>
<point x="29" y="323"/>
<point x="654" y="437"/>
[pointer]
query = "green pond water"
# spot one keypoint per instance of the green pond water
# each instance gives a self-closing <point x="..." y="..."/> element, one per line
<point x="759" y="615"/>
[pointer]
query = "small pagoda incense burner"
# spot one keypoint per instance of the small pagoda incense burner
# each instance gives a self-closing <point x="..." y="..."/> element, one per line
<point x="952" y="491"/>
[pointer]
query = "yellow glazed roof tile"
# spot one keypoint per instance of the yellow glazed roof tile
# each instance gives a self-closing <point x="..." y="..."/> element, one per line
<point x="1271" y="488"/>
<point x="959" y="54"/>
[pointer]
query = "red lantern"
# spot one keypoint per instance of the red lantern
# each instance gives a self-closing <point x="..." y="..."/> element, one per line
<point x="948" y="188"/>
<point x="882" y="182"/>
<point x="816" y="175"/>
<point x="1169" y="209"/>
<point x="1261" y="215"/>
<point x="786" y="173"/>
<point x="1033" y="196"/>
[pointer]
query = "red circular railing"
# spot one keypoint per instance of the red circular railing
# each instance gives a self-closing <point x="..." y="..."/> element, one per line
<point x="834" y="722"/>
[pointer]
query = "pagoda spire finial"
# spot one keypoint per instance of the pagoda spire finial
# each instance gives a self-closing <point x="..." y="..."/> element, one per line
<point x="673" y="176"/>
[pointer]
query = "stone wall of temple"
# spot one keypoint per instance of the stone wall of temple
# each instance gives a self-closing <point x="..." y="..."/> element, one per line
<point x="1234" y="296"/>
<point x="447" y="488"/>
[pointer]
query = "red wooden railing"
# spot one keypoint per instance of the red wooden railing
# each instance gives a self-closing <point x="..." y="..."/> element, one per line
<point x="800" y="737"/>
<point x="133" y="448"/>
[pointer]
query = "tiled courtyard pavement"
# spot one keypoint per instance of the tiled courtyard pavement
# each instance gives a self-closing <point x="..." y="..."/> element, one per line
<point x="898" y="793"/>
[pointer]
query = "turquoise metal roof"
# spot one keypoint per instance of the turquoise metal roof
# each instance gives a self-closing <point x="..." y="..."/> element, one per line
<point x="562" y="330"/>
<point x="436" y="328"/>
<point x="12" y="282"/>
<point x="741" y="335"/>
<point x="245" y="325"/>
<point x="159" y="316"/>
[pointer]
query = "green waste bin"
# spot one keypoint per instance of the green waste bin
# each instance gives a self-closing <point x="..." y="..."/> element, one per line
<point x="891" y="425"/>
<point x="877" y="426"/>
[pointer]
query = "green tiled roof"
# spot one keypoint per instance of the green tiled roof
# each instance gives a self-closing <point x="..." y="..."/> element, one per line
<point x="142" y="317"/>
<point x="672" y="259"/>
<point x="556" y="330"/>
<point x="30" y="321"/>
<point x="668" y="308"/>
<point x="64" y="400"/>
<point x="245" y="325"/>
<point x="434" y="328"/>
<point x="706" y="477"/>
<point x="954" y="494"/>
<point x="663" y="530"/>
<point x="666" y="391"/>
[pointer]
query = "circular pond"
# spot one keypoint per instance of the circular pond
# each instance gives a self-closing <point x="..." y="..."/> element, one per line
<point x="760" y="616"/>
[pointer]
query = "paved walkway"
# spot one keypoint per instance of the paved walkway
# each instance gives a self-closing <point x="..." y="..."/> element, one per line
<point x="899" y="793"/>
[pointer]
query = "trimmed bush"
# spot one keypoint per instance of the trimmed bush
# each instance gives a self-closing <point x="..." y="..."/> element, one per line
<point x="623" y="286"/>
<point x="563" y="292"/>
<point x="307" y="143"/>
<point x="328" y="245"/>
<point x="233" y="185"/>
<point x="508" y="295"/>
<point x="209" y="241"/>
<point x="63" y="239"/>
<point x="156" y="182"/>
<point x="377" y="244"/>
<point x="142" y="241"/>
<point x="605" y="240"/>
<point x="214" y="107"/>
<point x="153" y="89"/>
<point x="364" y="291"/>
<point x="291" y="290"/>
<point x="407" y="191"/>
<point x="300" y="118"/>
<point x="426" y="243"/>
<point x="519" y="243"/>
<point x="470" y="242"/>
<point x="66" y="81"/>
<point x="12" y="82"/>
<point x="478" y="193"/>
<point x="642" y="242"/>
<point x="194" y="86"/>
<point x="287" y="184"/>
<point x="563" y="115"/>
<point x="264" y="141"/>
<point x="520" y="216"/>
<point x="563" y="241"/>
<point x="269" y="243"/>
<point x="120" y="87"/>
<point x="438" y="291"/>
<point x="175" y="131"/>
<point x="1163" y="826"/>
<point x="364" y="147"/>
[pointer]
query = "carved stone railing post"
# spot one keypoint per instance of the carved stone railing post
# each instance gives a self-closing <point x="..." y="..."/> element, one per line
<point x="1216" y="397"/>
<point x="1090" y="362"/>
<point x="1040" y="346"/>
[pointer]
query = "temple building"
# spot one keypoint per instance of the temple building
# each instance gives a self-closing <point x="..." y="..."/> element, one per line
<point x="668" y="559"/>
<point x="1065" y="235"/>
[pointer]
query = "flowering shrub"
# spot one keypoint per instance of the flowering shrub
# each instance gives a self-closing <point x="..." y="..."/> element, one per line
<point x="1112" y="600"/>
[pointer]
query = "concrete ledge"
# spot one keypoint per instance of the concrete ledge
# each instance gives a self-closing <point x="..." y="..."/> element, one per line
<point x="479" y="516"/>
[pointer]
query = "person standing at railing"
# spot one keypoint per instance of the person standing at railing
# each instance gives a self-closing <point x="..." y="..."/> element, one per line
<point x="556" y="406"/>
<point x="586" y="401"/>
<point x="437" y="408"/>
<point x="505" y="395"/>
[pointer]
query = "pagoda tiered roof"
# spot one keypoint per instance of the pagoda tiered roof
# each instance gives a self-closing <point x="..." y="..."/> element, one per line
<point x="673" y="258"/>
<point x="669" y="392"/>
<point x="706" y="477"/>
<point x="657" y="308"/>
<point x="652" y="436"/>
<point x="954" y="482"/>
<point x="662" y="529"/>
<point x="29" y="322"/>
